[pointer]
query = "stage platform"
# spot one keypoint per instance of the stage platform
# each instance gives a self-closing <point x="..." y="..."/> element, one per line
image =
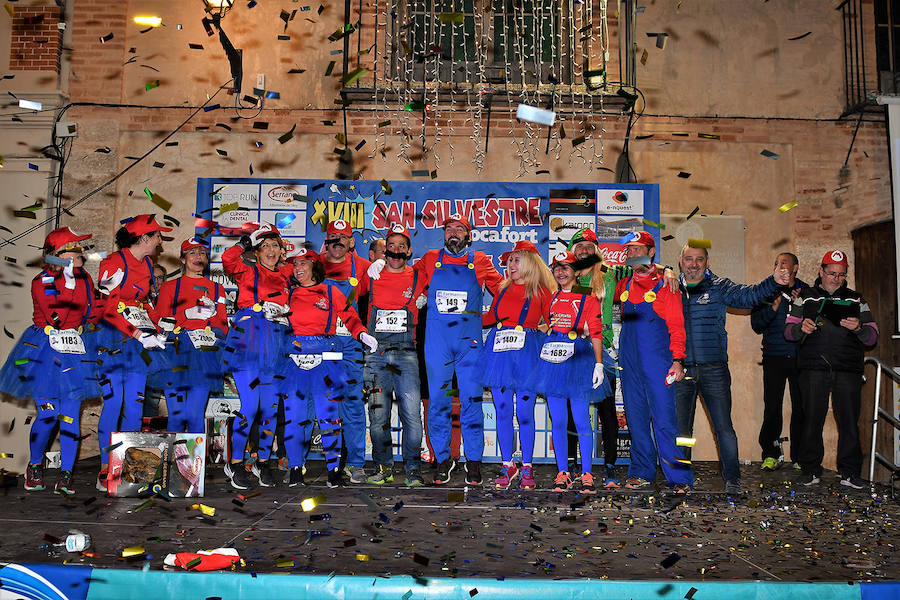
<point x="445" y="542"/>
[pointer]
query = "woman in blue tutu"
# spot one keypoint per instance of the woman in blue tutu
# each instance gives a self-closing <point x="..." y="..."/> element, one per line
<point x="318" y="378"/>
<point x="254" y="349"/>
<point x="571" y="367"/>
<point x="128" y="342"/>
<point x="511" y="351"/>
<point x="191" y="309"/>
<point x="52" y="364"/>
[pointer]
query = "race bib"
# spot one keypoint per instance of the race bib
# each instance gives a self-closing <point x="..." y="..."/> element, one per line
<point x="390" y="321"/>
<point x="201" y="313"/>
<point x="66" y="341"/>
<point x="450" y="302"/>
<point x="273" y="312"/>
<point x="200" y="338"/>
<point x="509" y="339"/>
<point x="557" y="352"/>
<point x="139" y="318"/>
<point x="307" y="361"/>
<point x="341" y="329"/>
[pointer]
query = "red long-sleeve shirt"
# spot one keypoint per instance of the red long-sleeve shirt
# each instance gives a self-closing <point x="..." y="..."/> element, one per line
<point x="395" y="290"/>
<point x="563" y="309"/>
<point x="509" y="308"/>
<point x="485" y="272"/>
<point x="271" y="286"/>
<point x="132" y="291"/>
<point x="309" y="311"/>
<point x="667" y="305"/>
<point x="58" y="306"/>
<point x="191" y="290"/>
<point x="342" y="271"/>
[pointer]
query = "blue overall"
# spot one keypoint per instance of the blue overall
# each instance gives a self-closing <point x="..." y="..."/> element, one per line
<point x="254" y="354"/>
<point x="352" y="410"/>
<point x="645" y="356"/>
<point x="195" y="374"/>
<point x="453" y="343"/>
<point x="517" y="363"/>
<point x="126" y="373"/>
<point x="314" y="393"/>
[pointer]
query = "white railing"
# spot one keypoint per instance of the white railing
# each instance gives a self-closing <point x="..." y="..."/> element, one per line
<point x="880" y="413"/>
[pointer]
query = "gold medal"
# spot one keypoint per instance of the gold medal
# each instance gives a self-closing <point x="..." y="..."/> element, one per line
<point x="121" y="307"/>
<point x="257" y="307"/>
<point x="572" y="335"/>
<point x="207" y="329"/>
<point x="649" y="296"/>
<point x="624" y="296"/>
<point x="353" y="281"/>
<point x="519" y="328"/>
<point x="48" y="329"/>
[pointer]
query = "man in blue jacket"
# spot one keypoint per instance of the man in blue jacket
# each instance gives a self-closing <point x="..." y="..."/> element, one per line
<point x="706" y="298"/>
<point x="779" y="366"/>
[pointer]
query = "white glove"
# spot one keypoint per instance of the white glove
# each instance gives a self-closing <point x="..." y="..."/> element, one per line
<point x="368" y="341"/>
<point x="69" y="274"/>
<point x="597" y="378"/>
<point x="375" y="269"/>
<point x="263" y="230"/>
<point x="150" y="341"/>
<point x="110" y="282"/>
<point x="421" y="301"/>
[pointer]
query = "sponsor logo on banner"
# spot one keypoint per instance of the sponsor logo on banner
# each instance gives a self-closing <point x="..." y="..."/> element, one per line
<point x="283" y="196"/>
<point x="614" y="228"/>
<point x="612" y="253"/>
<point x="563" y="227"/>
<point x="620" y="202"/>
<point x="573" y="201"/>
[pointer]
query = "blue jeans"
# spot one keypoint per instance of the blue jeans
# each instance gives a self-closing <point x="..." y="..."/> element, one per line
<point x="713" y="383"/>
<point x="388" y="373"/>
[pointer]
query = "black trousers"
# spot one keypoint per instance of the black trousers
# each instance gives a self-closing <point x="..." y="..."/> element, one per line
<point x="778" y="370"/>
<point x="609" y="433"/>
<point x="844" y="387"/>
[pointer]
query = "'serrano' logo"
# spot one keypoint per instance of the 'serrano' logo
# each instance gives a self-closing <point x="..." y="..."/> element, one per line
<point x="282" y="193"/>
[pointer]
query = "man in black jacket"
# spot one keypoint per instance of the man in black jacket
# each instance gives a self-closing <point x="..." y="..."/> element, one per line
<point x="779" y="366"/>
<point x="833" y="327"/>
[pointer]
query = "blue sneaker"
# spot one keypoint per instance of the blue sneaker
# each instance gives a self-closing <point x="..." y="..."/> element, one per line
<point x="611" y="480"/>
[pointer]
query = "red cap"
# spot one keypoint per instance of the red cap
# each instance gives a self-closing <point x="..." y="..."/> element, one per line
<point x="62" y="238"/>
<point x="583" y="235"/>
<point x="564" y="257"/>
<point x="339" y="226"/>
<point x="303" y="253"/>
<point x="398" y="229"/>
<point x="142" y="224"/>
<point x="521" y="246"/>
<point x="458" y="218"/>
<point x="192" y="243"/>
<point x="835" y="257"/>
<point x="263" y="231"/>
<point x="641" y="238"/>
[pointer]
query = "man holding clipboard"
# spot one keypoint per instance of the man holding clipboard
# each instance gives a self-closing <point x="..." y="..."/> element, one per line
<point x="834" y="327"/>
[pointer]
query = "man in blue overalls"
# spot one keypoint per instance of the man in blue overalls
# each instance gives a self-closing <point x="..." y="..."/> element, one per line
<point x="455" y="276"/>
<point x="651" y="352"/>
<point x="348" y="272"/>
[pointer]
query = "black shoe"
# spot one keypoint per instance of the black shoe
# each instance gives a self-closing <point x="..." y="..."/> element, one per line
<point x="64" y="486"/>
<point x="854" y="482"/>
<point x="264" y="472"/>
<point x="444" y="470"/>
<point x="238" y="476"/>
<point x="335" y="478"/>
<point x="473" y="472"/>
<point x="808" y="479"/>
<point x="295" y="477"/>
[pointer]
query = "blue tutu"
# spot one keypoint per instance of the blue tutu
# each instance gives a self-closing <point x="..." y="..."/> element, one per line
<point x="117" y="351"/>
<point x="510" y="368"/>
<point x="571" y="378"/>
<point x="45" y="374"/>
<point x="254" y="343"/>
<point x="325" y="380"/>
<point x="186" y="367"/>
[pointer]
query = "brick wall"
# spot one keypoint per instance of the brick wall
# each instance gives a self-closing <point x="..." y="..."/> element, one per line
<point x="36" y="40"/>
<point x="96" y="57"/>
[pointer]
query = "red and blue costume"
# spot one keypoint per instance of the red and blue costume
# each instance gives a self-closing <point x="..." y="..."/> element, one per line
<point x="255" y="346"/>
<point x="652" y="337"/>
<point x="453" y="343"/>
<point x="198" y="307"/>
<point x="318" y="377"/>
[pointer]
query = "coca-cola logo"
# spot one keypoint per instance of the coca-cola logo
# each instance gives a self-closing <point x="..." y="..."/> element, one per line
<point x="282" y="193"/>
<point x="613" y="256"/>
